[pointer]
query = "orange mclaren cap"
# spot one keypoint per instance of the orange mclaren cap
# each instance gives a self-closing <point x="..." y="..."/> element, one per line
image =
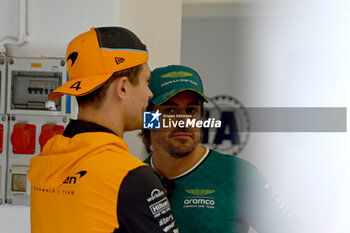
<point x="94" y="56"/>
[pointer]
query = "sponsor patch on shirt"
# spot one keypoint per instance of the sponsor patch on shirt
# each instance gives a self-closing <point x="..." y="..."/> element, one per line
<point x="199" y="199"/>
<point x="161" y="210"/>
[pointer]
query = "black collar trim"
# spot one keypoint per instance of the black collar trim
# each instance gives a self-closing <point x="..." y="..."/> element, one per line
<point x="79" y="126"/>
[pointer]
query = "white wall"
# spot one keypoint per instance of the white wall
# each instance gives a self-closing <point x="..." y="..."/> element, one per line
<point x="52" y="24"/>
<point x="282" y="54"/>
<point x="158" y="23"/>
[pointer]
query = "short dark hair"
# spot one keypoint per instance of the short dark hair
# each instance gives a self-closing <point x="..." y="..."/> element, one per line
<point x="96" y="97"/>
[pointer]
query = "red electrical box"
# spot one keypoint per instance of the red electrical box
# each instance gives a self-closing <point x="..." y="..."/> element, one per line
<point x="23" y="138"/>
<point x="1" y="137"/>
<point x="48" y="131"/>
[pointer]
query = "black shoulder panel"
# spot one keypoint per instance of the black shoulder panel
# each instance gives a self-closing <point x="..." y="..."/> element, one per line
<point x="142" y="204"/>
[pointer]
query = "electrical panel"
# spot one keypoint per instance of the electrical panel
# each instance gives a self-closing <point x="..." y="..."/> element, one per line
<point x="18" y="187"/>
<point x="28" y="119"/>
<point x="30" y="80"/>
<point x="28" y="134"/>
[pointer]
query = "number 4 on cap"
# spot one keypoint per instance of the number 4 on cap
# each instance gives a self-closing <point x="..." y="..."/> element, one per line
<point x="76" y="85"/>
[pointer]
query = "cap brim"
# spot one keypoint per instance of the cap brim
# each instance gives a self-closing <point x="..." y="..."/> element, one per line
<point x="167" y="95"/>
<point x="79" y="86"/>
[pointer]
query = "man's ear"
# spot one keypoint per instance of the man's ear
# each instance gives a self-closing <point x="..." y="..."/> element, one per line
<point x="121" y="86"/>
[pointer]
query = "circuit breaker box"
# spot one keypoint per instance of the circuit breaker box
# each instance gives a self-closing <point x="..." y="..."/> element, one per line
<point x="29" y="83"/>
<point x="32" y="118"/>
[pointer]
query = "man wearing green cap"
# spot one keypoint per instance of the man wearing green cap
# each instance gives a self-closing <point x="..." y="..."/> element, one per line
<point x="208" y="191"/>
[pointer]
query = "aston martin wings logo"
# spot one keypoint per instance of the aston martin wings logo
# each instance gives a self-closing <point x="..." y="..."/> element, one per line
<point x="73" y="56"/>
<point x="200" y="192"/>
<point x="177" y="74"/>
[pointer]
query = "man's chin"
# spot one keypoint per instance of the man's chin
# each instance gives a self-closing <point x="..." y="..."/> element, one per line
<point x="181" y="151"/>
<point x="179" y="155"/>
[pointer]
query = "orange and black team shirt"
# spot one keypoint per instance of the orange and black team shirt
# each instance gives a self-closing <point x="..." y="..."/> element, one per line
<point x="87" y="181"/>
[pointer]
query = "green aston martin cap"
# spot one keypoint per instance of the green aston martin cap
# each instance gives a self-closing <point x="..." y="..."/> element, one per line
<point x="171" y="80"/>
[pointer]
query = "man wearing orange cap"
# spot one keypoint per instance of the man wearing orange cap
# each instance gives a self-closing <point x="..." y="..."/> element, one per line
<point x="86" y="180"/>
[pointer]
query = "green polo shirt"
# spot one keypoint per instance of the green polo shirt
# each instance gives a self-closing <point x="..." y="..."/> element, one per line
<point x="226" y="194"/>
